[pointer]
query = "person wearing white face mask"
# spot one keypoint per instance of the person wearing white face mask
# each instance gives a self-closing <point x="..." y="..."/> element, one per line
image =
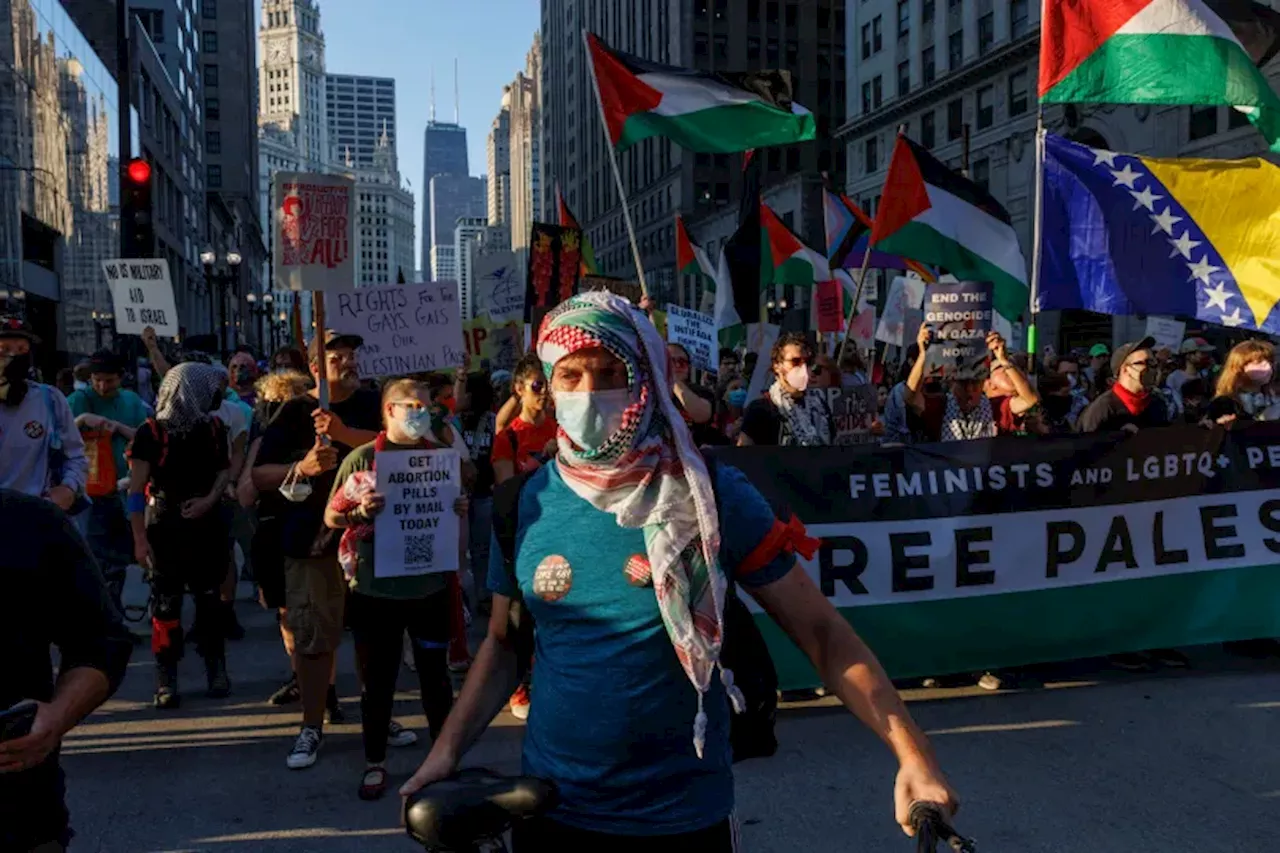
<point x="804" y="411"/>
<point x="1241" y="390"/>
<point x="382" y="609"/>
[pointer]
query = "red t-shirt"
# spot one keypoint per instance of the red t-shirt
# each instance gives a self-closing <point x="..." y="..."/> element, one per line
<point x="521" y="440"/>
<point x="935" y="409"/>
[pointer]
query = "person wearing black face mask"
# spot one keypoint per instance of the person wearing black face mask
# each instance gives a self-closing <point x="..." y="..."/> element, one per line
<point x="1056" y="401"/>
<point x="41" y="451"/>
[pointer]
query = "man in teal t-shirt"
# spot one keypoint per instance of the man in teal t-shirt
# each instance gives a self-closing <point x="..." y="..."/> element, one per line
<point x="105" y="406"/>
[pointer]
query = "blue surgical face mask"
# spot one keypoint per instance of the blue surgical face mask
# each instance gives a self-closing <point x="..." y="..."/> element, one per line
<point x="417" y="425"/>
<point x="80" y="386"/>
<point x="737" y="397"/>
<point x="590" y="418"/>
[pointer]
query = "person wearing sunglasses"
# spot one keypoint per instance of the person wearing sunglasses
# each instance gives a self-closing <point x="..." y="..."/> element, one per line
<point x="695" y="404"/>
<point x="1130" y="404"/>
<point x="802" y="407"/>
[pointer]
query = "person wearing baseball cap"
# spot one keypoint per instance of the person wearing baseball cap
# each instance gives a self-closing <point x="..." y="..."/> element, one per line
<point x="300" y="451"/>
<point x="1196" y="355"/>
<point x="1096" y="374"/>
<point x="41" y="452"/>
<point x="1130" y="403"/>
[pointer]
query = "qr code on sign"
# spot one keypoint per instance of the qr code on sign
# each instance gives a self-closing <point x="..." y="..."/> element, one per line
<point x="419" y="549"/>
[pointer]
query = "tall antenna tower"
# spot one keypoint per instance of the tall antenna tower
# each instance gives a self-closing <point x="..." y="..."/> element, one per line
<point x="457" y="102"/>
<point x="433" y="95"/>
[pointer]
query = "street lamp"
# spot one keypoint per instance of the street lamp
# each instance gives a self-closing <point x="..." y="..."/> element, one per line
<point x="281" y="320"/>
<point x="777" y="309"/>
<point x="219" y="281"/>
<point x="101" y="322"/>
<point x="262" y="309"/>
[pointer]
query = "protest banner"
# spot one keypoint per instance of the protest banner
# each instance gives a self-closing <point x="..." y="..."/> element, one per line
<point x="959" y="316"/>
<point x="417" y="531"/>
<point x="853" y="410"/>
<point x="313" y="218"/>
<point x="828" y="306"/>
<point x="499" y="289"/>
<point x="555" y="262"/>
<point x="141" y="296"/>
<point x="1168" y="332"/>
<point x="697" y="334"/>
<point x="983" y="555"/>
<point x="407" y="328"/>
<point x="499" y="344"/>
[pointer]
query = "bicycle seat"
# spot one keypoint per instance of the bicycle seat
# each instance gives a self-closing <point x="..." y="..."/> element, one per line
<point x="474" y="805"/>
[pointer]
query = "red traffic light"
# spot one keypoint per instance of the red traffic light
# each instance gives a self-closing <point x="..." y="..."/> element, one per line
<point x="139" y="171"/>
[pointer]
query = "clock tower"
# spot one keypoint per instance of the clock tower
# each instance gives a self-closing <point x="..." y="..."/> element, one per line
<point x="291" y="77"/>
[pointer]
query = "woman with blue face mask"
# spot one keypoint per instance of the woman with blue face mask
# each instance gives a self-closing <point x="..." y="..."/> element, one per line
<point x="384" y="603"/>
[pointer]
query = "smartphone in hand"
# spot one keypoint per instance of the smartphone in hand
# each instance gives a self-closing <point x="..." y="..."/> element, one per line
<point x="16" y="722"/>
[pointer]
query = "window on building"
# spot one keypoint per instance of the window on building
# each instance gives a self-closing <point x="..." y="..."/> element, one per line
<point x="904" y="78"/>
<point x="928" y="133"/>
<point x="904" y="18"/>
<point x="926" y="12"/>
<point x="213" y="141"/>
<point x="701" y="47"/>
<point x="986" y="107"/>
<point x="212" y="108"/>
<point x="955" y="50"/>
<point x="209" y="41"/>
<point x="793" y="160"/>
<point x="793" y="54"/>
<point x="870" y="155"/>
<point x="928" y="67"/>
<point x="955" y="119"/>
<point x="1019" y="17"/>
<point x="211" y="76"/>
<point x="1236" y="119"/>
<point x="721" y="48"/>
<point x="771" y="55"/>
<point x="214" y="176"/>
<point x="1019" y="103"/>
<point x="1203" y="122"/>
<point x="980" y="174"/>
<point x="877" y="35"/>
<point x="209" y="8"/>
<point x="866" y="41"/>
<point x="866" y="97"/>
<point x="753" y="48"/>
<point x="986" y="33"/>
<point x="791" y="14"/>
<point x="877" y="92"/>
<point x="722" y="9"/>
<point x="955" y="4"/>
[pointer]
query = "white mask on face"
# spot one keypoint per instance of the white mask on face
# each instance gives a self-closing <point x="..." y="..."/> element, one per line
<point x="798" y="377"/>
<point x="590" y="418"/>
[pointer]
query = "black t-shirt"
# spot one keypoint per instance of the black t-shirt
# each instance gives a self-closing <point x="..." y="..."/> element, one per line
<point x="54" y="595"/>
<point x="761" y="422"/>
<point x="183" y="465"/>
<point x="479" y="441"/>
<point x="288" y="438"/>
<point x="1109" y="414"/>
<point x="703" y="434"/>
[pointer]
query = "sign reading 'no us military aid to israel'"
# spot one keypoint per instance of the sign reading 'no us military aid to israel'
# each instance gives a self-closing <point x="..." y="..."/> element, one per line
<point x="142" y="296"/>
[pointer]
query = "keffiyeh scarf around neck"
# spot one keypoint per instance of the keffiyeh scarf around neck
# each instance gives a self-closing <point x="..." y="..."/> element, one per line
<point x="649" y="475"/>
<point x="977" y="423"/>
<point x="806" y="419"/>
<point x="186" y="395"/>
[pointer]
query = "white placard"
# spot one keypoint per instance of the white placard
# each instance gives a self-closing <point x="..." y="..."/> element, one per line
<point x="498" y="287"/>
<point x="417" y="531"/>
<point x="894" y="317"/>
<point x="141" y="296"/>
<point x="696" y="333"/>
<point x="763" y="336"/>
<point x="1167" y="331"/>
<point x="313" y="217"/>
<point x="407" y="328"/>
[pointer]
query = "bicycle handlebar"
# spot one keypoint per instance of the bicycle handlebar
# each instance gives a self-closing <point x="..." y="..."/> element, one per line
<point x="932" y="827"/>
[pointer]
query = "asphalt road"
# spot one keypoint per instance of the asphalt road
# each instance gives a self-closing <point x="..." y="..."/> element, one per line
<point x="1183" y="762"/>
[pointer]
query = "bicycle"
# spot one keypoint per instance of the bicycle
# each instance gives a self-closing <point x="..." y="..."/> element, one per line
<point x="472" y="810"/>
<point x="932" y="828"/>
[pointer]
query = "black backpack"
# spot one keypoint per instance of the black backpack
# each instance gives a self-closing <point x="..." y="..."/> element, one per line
<point x="743" y="649"/>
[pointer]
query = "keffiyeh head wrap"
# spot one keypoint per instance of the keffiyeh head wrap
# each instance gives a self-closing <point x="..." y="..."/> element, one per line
<point x="649" y="475"/>
<point x="186" y="395"/>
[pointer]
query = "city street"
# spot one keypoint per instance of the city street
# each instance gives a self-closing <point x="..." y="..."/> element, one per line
<point x="1095" y="763"/>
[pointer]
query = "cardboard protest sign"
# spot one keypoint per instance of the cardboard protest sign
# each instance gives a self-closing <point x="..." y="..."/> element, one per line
<point x="141" y="296"/>
<point x="1167" y="332"/>
<point x="407" y="328"/>
<point x="853" y="410"/>
<point x="761" y="337"/>
<point x="960" y="317"/>
<point x="499" y="344"/>
<point x="314" y="241"/>
<point x="828" y="307"/>
<point x="555" y="262"/>
<point x="417" y="532"/>
<point x="696" y="333"/>
<point x="498" y="287"/>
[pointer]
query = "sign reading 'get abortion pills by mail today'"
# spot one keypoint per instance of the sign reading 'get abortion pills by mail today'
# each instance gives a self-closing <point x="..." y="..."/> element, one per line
<point x="141" y="296"/>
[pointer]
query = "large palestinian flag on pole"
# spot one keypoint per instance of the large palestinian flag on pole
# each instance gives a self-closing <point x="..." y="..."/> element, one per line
<point x="1160" y="52"/>
<point x="931" y="214"/>
<point x="784" y="258"/>
<point x="709" y="113"/>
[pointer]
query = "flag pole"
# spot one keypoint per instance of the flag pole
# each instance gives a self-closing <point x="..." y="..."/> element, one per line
<point x="613" y="161"/>
<point x="1036" y="225"/>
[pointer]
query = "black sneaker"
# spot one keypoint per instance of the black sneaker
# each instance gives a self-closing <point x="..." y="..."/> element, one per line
<point x="219" y="681"/>
<point x="305" y="749"/>
<point x="167" y="698"/>
<point x="287" y="694"/>
<point x="333" y="708"/>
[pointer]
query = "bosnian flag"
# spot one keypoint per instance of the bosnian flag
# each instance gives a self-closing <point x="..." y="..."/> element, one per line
<point x="708" y="113"/>
<point x="1161" y="52"/>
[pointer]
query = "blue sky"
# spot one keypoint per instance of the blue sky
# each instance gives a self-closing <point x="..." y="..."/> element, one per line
<point x="405" y="39"/>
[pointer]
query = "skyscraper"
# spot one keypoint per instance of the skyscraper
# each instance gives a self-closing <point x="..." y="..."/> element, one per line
<point x="359" y="112"/>
<point x="291" y="89"/>
<point x="450" y="197"/>
<point x="526" y="148"/>
<point x="444" y="152"/>
<point x="498" y="151"/>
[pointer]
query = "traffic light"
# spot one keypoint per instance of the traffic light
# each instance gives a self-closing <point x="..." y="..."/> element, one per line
<point x="138" y="237"/>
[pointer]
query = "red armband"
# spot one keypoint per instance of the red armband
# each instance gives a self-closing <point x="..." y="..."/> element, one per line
<point x="791" y="537"/>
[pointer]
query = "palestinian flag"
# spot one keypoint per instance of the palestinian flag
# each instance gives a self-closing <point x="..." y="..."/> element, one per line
<point x="692" y="259"/>
<point x="568" y="220"/>
<point x="938" y="217"/>
<point x="784" y="258"/>
<point x="1160" y="52"/>
<point x="709" y="113"/>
